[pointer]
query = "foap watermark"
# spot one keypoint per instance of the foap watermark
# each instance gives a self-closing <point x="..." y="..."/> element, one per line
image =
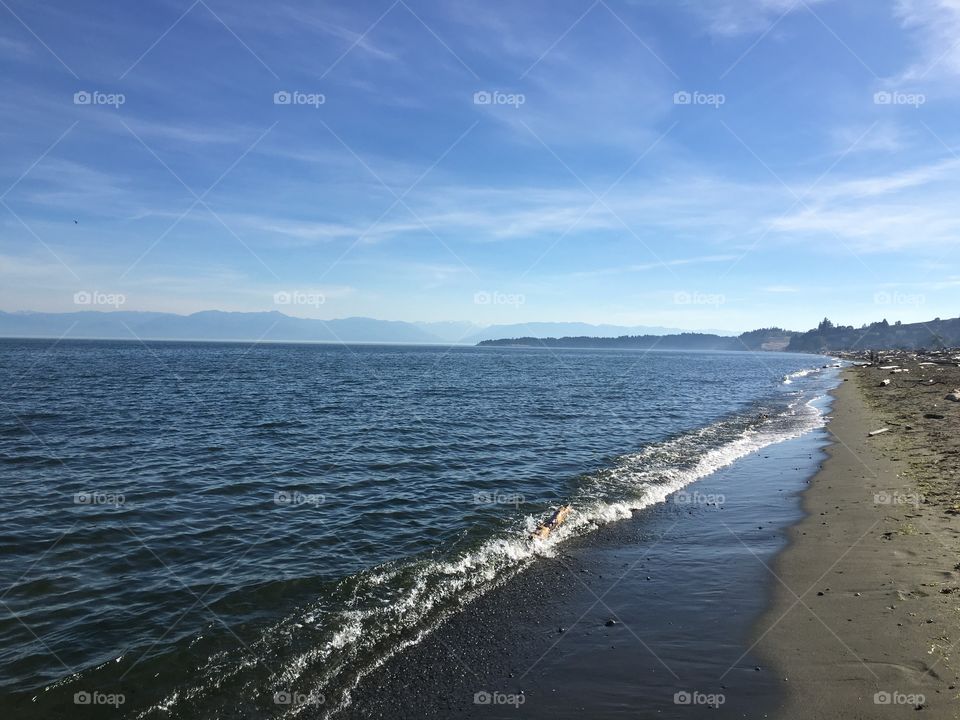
<point x="498" y="298"/>
<point x="896" y="97"/>
<point x="698" y="498"/>
<point x="899" y="298"/>
<point x="695" y="697"/>
<point x="495" y="97"/>
<point x="498" y="498"/>
<point x="299" y="297"/>
<point x="684" y="97"/>
<point x="96" y="297"/>
<point x="698" y="298"/>
<point x="96" y="497"/>
<point x="297" y="97"/>
<point x="295" y="497"/>
<point x="86" y="697"/>
<point x="484" y="697"/>
<point x="97" y="97"/>
<point x="898" y="498"/>
<point x="297" y="699"/>
<point x="898" y="698"/>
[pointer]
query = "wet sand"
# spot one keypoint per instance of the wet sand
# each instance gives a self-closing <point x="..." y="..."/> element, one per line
<point x="825" y="585"/>
<point x="866" y="613"/>
<point x="648" y="617"/>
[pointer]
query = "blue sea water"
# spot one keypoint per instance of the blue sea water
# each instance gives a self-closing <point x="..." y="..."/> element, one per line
<point x="213" y="530"/>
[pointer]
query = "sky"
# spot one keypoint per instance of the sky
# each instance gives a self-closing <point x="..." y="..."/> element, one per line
<point x="686" y="163"/>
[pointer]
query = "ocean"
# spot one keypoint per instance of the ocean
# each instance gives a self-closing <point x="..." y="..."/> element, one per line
<point x="209" y="530"/>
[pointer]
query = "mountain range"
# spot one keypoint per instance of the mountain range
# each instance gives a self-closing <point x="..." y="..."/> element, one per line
<point x="278" y="327"/>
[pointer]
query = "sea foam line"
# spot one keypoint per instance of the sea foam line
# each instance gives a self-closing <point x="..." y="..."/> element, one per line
<point x="641" y="479"/>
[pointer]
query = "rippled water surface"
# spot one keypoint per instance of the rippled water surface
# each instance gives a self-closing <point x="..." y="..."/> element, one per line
<point x="210" y="530"/>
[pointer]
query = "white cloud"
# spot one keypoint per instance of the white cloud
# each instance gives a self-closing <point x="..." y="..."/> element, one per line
<point x="936" y="25"/>
<point x="781" y="289"/>
<point x="737" y="17"/>
<point x="658" y="265"/>
<point x="15" y="49"/>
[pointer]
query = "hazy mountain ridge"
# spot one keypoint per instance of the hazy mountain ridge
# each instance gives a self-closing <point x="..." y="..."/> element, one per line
<point x="278" y="327"/>
<point x="209" y="325"/>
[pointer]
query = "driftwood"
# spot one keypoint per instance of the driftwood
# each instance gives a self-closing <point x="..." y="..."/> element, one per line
<point x="544" y="530"/>
<point x="878" y="432"/>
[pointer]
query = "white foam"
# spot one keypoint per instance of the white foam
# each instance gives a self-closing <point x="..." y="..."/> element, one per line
<point x="789" y="378"/>
<point x="430" y="589"/>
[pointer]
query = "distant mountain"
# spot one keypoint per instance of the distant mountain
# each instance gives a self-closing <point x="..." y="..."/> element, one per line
<point x="451" y="332"/>
<point x="277" y="327"/>
<point x="576" y="329"/>
<point x="209" y="325"/>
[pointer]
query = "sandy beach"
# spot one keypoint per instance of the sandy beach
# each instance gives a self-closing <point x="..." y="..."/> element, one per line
<point x="648" y="617"/>
<point x="827" y="587"/>
<point x="864" y="621"/>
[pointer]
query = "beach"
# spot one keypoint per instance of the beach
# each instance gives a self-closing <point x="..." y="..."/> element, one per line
<point x="773" y="561"/>
<point x="826" y="587"/>
<point x="864" y="620"/>
<point x="648" y="617"/>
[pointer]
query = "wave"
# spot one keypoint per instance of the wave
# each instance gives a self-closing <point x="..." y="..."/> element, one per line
<point x="327" y="649"/>
<point x="788" y="379"/>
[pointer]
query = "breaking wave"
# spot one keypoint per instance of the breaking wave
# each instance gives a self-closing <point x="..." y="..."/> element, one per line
<point x="321" y="652"/>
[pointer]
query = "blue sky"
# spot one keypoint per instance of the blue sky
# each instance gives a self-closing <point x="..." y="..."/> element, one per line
<point x="690" y="163"/>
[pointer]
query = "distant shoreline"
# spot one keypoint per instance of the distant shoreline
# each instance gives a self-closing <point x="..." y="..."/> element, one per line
<point x="399" y="343"/>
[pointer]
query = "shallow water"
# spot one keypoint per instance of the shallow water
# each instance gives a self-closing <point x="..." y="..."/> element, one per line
<point x="211" y="530"/>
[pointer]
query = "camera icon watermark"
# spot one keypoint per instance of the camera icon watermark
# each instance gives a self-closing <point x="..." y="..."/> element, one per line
<point x="295" y="497"/>
<point x="96" y="297"/>
<point x="96" y="497"/>
<point x="898" y="698"/>
<point x="498" y="498"/>
<point x="698" y="298"/>
<point x="495" y="297"/>
<point x="895" y="97"/>
<point x="297" y="699"/>
<point x="698" y="498"/>
<point x="495" y="97"/>
<point x="898" y="498"/>
<point x="484" y="697"/>
<point x="684" y="97"/>
<point x="85" y="697"/>
<point x="96" y="97"/>
<point x="694" y="697"/>
<point x="899" y="298"/>
<point x="296" y="97"/>
<point x="299" y="297"/>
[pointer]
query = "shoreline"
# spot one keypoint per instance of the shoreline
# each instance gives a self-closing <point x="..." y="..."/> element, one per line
<point x="863" y="618"/>
<point x="622" y="620"/>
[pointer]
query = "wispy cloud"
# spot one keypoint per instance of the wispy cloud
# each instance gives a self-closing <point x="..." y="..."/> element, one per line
<point x="643" y="267"/>
<point x="738" y="17"/>
<point x="936" y="27"/>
